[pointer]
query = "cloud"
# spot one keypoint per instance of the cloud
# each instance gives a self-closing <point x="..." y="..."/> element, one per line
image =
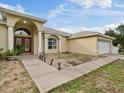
<point x="119" y="5"/>
<point x="78" y="19"/>
<point x="91" y="3"/>
<point x="75" y="29"/>
<point x="70" y="18"/>
<point x="66" y="10"/>
<point x="84" y="3"/>
<point x="77" y="13"/>
<point x="105" y="3"/>
<point x="58" y="10"/>
<point x="17" y="8"/>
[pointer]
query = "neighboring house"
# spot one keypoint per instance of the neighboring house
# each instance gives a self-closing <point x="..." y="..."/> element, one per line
<point x="19" y="28"/>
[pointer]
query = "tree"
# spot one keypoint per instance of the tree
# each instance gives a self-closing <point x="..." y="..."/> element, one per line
<point x="120" y="37"/>
<point x="118" y="34"/>
<point x="120" y="30"/>
<point x="112" y="33"/>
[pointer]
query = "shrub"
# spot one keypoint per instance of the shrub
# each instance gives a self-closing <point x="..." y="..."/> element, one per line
<point x="1" y="49"/>
<point x="10" y="52"/>
<point x="19" y="49"/>
<point x="121" y="50"/>
<point x="5" y="55"/>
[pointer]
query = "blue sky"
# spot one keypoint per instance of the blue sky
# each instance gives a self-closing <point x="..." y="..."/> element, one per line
<point x="72" y="15"/>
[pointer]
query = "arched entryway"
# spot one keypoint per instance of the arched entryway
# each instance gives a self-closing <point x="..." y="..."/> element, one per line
<point x="24" y="35"/>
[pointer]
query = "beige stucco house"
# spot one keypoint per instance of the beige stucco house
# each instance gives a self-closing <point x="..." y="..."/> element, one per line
<point x="19" y="28"/>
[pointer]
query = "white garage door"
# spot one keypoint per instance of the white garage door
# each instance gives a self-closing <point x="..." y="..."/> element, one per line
<point x="104" y="47"/>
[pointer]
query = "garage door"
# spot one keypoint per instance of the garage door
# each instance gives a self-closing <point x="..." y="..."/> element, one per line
<point x="104" y="47"/>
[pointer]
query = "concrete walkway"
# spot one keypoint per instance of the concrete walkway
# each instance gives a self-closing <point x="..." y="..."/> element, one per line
<point x="47" y="77"/>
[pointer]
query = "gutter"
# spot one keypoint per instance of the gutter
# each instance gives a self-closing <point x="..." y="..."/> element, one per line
<point x="104" y="36"/>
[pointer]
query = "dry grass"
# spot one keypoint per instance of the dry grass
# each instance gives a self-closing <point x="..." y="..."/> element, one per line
<point x="69" y="59"/>
<point x="108" y="79"/>
<point x="78" y="57"/>
<point x="15" y="79"/>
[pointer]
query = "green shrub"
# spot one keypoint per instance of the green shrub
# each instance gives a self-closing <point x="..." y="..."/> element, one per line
<point x="121" y="53"/>
<point x="19" y="49"/>
<point x="121" y="50"/>
<point x="5" y="55"/>
<point x="10" y="52"/>
<point x="1" y="49"/>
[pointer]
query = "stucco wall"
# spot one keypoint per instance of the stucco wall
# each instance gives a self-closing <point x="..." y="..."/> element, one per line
<point x="86" y="45"/>
<point x="35" y="44"/>
<point x="61" y="44"/>
<point x="64" y="47"/>
<point x="3" y="37"/>
<point x="12" y="20"/>
<point x="103" y="38"/>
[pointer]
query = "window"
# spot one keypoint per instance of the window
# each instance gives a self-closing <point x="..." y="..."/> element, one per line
<point x="23" y="32"/>
<point x="18" y="41"/>
<point x="52" y="43"/>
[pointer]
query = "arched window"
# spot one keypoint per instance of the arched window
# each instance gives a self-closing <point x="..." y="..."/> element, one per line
<point x="23" y="32"/>
<point x="52" y="42"/>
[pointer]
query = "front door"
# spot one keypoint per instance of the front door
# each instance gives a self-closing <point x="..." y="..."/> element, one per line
<point x="25" y="41"/>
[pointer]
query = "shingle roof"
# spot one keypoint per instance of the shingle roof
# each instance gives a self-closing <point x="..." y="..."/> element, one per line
<point x="88" y="33"/>
<point x="56" y="32"/>
<point x="75" y="35"/>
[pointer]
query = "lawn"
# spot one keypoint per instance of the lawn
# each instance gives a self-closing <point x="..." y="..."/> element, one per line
<point x="108" y="79"/>
<point x="15" y="79"/>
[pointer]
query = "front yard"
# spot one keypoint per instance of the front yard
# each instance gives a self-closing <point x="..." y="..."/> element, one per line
<point x="15" y="79"/>
<point x="69" y="59"/>
<point x="108" y="79"/>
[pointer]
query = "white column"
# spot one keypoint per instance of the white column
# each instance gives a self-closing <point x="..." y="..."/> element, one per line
<point x="39" y="42"/>
<point x="10" y="38"/>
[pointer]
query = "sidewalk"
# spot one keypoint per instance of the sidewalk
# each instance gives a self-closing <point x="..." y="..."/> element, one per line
<point x="47" y="77"/>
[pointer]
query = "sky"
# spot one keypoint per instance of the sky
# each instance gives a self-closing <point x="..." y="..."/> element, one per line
<point x="72" y="15"/>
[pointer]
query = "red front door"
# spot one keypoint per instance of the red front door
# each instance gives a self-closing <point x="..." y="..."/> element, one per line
<point x="26" y="41"/>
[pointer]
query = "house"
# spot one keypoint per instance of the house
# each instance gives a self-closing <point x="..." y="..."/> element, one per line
<point x="18" y="28"/>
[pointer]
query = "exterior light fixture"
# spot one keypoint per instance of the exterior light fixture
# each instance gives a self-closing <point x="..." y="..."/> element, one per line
<point x="25" y="21"/>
